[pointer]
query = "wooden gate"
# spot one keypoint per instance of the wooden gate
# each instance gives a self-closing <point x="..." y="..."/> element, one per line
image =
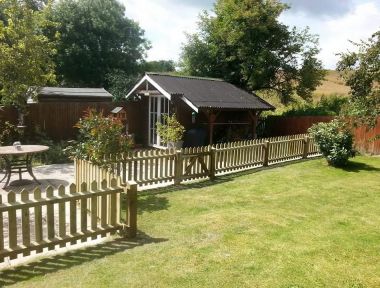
<point x="195" y="163"/>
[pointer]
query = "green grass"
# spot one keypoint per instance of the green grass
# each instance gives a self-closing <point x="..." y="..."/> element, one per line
<point x="300" y="225"/>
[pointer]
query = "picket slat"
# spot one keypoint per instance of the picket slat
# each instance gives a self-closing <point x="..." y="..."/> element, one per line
<point x="13" y="243"/>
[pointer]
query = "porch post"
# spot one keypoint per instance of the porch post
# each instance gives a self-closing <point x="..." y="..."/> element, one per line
<point x="211" y="122"/>
<point x="254" y="118"/>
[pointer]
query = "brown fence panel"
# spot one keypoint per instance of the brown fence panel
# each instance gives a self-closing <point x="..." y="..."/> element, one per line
<point x="57" y="119"/>
<point x="292" y="125"/>
<point x="366" y="139"/>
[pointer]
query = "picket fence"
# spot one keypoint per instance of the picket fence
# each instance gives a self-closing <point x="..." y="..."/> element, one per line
<point x="55" y="218"/>
<point x="151" y="167"/>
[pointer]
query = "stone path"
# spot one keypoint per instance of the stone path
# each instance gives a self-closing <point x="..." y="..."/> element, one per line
<point x="54" y="175"/>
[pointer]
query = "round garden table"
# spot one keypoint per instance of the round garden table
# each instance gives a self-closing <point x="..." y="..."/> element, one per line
<point x="18" y="159"/>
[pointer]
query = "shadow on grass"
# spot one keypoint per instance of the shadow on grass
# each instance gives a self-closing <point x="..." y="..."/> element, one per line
<point x="220" y="179"/>
<point x="73" y="258"/>
<point x="358" y="167"/>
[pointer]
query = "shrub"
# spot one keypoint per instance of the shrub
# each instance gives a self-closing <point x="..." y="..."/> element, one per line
<point x="171" y="130"/>
<point x="328" y="106"/>
<point x="99" y="137"/>
<point x="7" y="132"/>
<point x="56" y="154"/>
<point x="335" y="141"/>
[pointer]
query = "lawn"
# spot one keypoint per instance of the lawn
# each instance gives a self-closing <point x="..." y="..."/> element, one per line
<point x="300" y="225"/>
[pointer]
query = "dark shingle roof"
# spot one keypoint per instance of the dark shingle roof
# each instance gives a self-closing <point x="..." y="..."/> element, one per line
<point x="209" y="93"/>
<point x="74" y="92"/>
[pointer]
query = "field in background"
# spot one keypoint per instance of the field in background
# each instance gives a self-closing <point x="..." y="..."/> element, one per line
<point x="332" y="85"/>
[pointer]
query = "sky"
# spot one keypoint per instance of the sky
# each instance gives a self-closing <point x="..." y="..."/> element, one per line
<point x="335" y="21"/>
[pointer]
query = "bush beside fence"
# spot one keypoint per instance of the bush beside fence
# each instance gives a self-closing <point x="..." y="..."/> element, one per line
<point x="153" y="167"/>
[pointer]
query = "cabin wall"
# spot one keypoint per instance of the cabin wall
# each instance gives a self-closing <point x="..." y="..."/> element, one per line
<point x="230" y="125"/>
<point x="137" y="119"/>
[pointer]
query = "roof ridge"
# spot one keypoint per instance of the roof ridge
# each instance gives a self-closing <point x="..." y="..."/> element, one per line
<point x="184" y="76"/>
<point x="57" y="87"/>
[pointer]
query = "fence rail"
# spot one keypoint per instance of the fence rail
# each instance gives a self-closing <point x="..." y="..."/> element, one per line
<point x="52" y="218"/>
<point x="173" y="167"/>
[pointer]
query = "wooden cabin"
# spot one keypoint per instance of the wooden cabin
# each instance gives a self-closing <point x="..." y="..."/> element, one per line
<point x="211" y="110"/>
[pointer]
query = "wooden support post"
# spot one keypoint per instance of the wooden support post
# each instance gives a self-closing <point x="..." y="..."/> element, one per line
<point x="212" y="163"/>
<point x="254" y="118"/>
<point x="178" y="168"/>
<point x="211" y="131"/>
<point x="211" y="121"/>
<point x="306" y="147"/>
<point x="266" y="146"/>
<point x="131" y="217"/>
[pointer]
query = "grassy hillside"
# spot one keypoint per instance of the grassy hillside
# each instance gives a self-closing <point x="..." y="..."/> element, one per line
<point x="331" y="85"/>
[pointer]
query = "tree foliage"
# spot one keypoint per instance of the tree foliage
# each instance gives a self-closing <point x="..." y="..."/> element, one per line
<point x="97" y="40"/>
<point x="159" y="66"/>
<point x="361" y="72"/>
<point x="245" y="43"/>
<point x="25" y="52"/>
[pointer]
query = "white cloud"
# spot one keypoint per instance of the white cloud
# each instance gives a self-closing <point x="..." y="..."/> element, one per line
<point x="335" y="32"/>
<point x="165" y="22"/>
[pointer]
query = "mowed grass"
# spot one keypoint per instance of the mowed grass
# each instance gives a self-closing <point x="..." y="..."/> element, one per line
<point x="300" y="225"/>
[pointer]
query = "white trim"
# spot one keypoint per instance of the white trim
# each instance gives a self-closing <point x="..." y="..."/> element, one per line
<point x="154" y="83"/>
<point x="187" y="101"/>
<point x="159" y="111"/>
<point x="136" y="86"/>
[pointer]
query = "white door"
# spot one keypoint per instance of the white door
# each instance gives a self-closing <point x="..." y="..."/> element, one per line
<point x="158" y="106"/>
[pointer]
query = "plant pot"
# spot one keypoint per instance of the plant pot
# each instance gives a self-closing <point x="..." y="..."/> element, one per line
<point x="176" y="145"/>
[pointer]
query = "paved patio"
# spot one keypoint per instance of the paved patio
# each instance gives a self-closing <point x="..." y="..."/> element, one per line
<point x="54" y="175"/>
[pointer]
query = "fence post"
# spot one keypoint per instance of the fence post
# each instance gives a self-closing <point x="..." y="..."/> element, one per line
<point x="178" y="168"/>
<point x="131" y="215"/>
<point x="212" y="163"/>
<point x="306" y="147"/>
<point x="266" y="146"/>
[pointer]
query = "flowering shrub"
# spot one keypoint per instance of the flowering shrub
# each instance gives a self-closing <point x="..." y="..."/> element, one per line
<point x="99" y="137"/>
<point x="335" y="141"/>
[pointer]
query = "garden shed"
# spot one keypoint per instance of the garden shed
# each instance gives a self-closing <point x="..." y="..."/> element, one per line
<point x="56" y="110"/>
<point x="204" y="106"/>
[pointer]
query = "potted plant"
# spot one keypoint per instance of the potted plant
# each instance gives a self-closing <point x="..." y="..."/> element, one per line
<point x="170" y="131"/>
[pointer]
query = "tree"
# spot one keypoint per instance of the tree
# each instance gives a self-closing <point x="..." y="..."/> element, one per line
<point x="159" y="66"/>
<point x="245" y="44"/>
<point x="97" y="40"/>
<point x="361" y="72"/>
<point x="25" y="52"/>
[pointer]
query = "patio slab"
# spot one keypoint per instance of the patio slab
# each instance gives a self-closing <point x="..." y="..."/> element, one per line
<point x="54" y="175"/>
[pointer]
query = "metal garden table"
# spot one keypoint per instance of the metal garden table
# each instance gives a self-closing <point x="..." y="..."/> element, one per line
<point x="18" y="159"/>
